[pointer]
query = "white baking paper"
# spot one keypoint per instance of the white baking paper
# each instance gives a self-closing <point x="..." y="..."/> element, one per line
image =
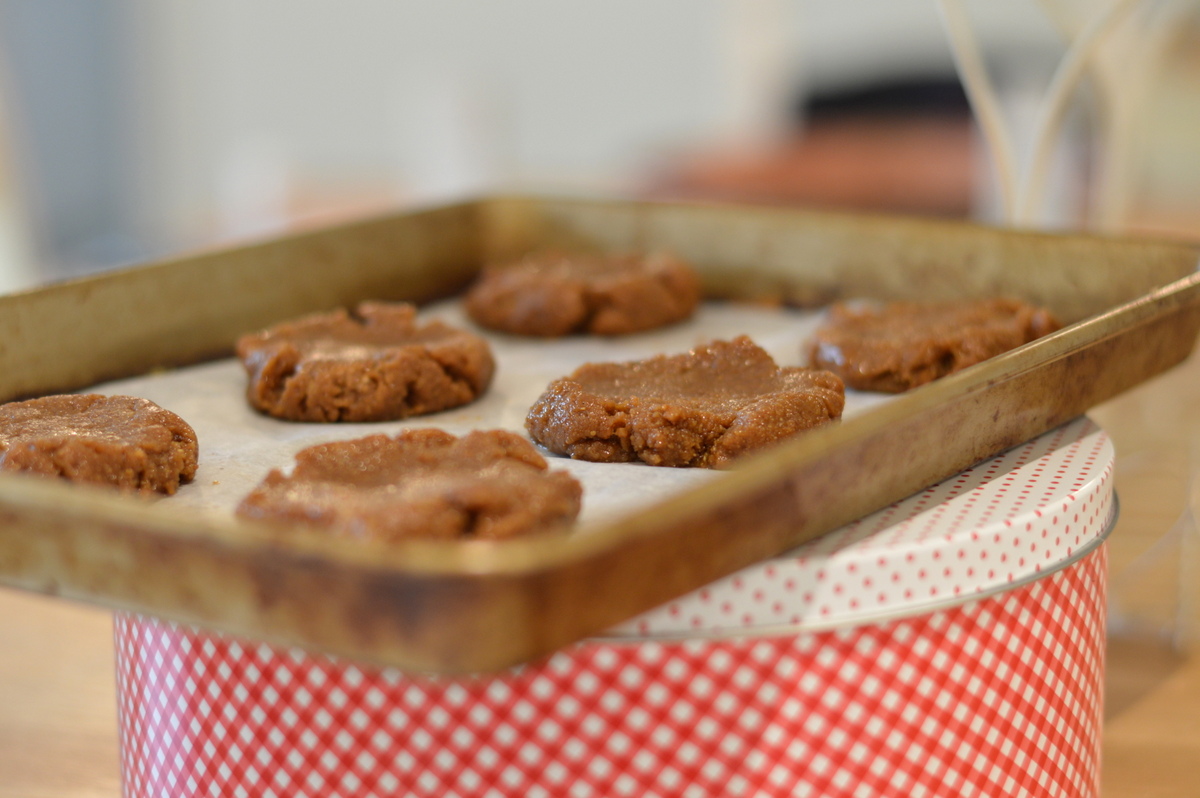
<point x="238" y="445"/>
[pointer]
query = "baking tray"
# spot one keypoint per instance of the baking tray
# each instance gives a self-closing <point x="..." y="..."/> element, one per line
<point x="1133" y="310"/>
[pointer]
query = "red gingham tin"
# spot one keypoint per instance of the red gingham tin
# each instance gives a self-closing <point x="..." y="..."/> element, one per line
<point x="951" y="644"/>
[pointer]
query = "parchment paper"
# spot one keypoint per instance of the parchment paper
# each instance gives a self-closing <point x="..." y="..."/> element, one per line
<point x="238" y="445"/>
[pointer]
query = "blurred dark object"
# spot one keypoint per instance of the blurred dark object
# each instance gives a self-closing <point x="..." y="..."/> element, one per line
<point x="904" y="145"/>
<point x="902" y="98"/>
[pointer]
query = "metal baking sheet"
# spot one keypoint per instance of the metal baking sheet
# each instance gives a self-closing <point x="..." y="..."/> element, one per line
<point x="1133" y="309"/>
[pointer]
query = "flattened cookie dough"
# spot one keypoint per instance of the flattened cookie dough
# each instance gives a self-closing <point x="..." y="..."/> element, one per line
<point x="703" y="408"/>
<point x="897" y="346"/>
<point x="552" y="294"/>
<point x="422" y="483"/>
<point x="375" y="365"/>
<point x="123" y="441"/>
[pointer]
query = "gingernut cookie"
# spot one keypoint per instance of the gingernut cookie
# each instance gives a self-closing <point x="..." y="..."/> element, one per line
<point x="421" y="483"/>
<point x="703" y="408"/>
<point x="551" y="294"/>
<point x="896" y="346"/>
<point x="376" y="364"/>
<point x="129" y="443"/>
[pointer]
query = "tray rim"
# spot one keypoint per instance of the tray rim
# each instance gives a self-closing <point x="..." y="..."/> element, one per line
<point x="512" y="561"/>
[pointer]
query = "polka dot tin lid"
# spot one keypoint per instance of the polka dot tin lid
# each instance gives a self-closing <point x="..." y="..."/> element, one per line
<point x="1002" y="522"/>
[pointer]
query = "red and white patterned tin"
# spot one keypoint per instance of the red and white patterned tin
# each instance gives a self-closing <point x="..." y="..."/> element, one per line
<point x="951" y="644"/>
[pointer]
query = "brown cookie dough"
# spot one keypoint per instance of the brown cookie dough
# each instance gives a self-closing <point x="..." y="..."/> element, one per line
<point x="129" y="443"/>
<point x="375" y="365"/>
<point x="897" y="346"/>
<point x="552" y="294"/>
<point x="422" y="483"/>
<point x="703" y="408"/>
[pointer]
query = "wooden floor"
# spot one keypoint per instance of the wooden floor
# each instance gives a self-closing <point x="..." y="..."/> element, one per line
<point x="58" y="726"/>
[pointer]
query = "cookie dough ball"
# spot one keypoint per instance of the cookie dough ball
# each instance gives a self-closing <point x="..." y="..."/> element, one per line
<point x="376" y="364"/>
<point x="893" y="347"/>
<point x="422" y="483"/>
<point x="129" y="443"/>
<point x="551" y="294"/>
<point x="703" y="408"/>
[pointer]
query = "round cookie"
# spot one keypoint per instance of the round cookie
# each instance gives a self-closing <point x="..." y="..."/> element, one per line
<point x="703" y="408"/>
<point x="897" y="346"/>
<point x="377" y="364"/>
<point x="551" y="294"/>
<point x="421" y="483"/>
<point x="123" y="441"/>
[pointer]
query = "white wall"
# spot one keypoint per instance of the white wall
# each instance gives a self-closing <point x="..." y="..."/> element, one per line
<point x="246" y="96"/>
<point x="16" y="260"/>
<point x="240" y="105"/>
<point x="851" y="40"/>
<point x="433" y="96"/>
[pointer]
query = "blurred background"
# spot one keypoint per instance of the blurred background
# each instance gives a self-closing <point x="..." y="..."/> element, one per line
<point x="134" y="128"/>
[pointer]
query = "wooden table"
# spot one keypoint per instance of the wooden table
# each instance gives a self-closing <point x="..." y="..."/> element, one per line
<point x="58" y="712"/>
<point x="1152" y="736"/>
<point x="58" y="724"/>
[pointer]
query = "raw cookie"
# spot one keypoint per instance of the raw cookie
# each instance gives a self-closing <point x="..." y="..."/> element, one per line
<point x="374" y="365"/>
<point x="551" y="294"/>
<point x="123" y="441"/>
<point x="702" y="408"/>
<point x="900" y="345"/>
<point x="422" y="483"/>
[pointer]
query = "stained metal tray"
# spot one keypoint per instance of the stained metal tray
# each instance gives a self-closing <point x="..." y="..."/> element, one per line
<point x="1133" y="309"/>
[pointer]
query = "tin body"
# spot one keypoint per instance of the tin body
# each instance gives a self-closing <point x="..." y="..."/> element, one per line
<point x="951" y="644"/>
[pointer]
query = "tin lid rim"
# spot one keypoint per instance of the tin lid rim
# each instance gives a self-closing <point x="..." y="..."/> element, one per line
<point x="865" y="619"/>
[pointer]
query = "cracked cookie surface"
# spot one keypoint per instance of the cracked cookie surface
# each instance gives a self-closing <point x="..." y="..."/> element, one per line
<point x="126" y="442"/>
<point x="421" y="483"/>
<point x="893" y="347"/>
<point x="704" y="408"/>
<point x="553" y="294"/>
<point x="377" y="364"/>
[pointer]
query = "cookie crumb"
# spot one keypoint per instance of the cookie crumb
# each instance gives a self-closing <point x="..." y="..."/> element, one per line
<point x="377" y="364"/>
<point x="422" y="483"/>
<point x="551" y="294"/>
<point x="125" y="442"/>
<point x="704" y="408"/>
<point x="897" y="346"/>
